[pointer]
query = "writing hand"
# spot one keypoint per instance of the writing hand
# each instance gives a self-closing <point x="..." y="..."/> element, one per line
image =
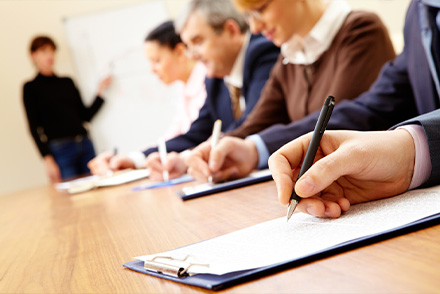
<point x="232" y="158"/>
<point x="174" y="164"/>
<point x="350" y="167"/>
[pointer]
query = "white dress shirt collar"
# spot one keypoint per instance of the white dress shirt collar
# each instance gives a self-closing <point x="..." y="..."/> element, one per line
<point x="235" y="78"/>
<point x="306" y="51"/>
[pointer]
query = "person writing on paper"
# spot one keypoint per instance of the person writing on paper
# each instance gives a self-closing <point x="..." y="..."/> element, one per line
<point x="326" y="49"/>
<point x="56" y="115"/>
<point x="169" y="60"/>
<point x="238" y="65"/>
<point x="354" y="167"/>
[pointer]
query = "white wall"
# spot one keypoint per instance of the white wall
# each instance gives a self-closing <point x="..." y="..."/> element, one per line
<point x="21" y="165"/>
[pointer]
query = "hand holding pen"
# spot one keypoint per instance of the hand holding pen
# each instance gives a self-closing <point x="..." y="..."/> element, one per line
<point x="320" y="127"/>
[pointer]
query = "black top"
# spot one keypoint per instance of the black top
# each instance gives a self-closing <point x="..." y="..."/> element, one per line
<point x="55" y="110"/>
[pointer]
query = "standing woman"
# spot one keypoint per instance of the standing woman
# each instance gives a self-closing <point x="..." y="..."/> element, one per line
<point x="56" y="115"/>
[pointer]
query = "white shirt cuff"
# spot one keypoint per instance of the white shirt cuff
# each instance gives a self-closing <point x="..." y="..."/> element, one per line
<point x="263" y="152"/>
<point x="422" y="164"/>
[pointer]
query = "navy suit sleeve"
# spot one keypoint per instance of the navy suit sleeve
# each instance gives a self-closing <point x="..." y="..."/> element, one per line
<point x="431" y="124"/>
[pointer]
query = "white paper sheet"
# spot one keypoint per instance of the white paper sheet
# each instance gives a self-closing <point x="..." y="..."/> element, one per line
<point x="277" y="240"/>
<point x="90" y="182"/>
<point x="207" y="186"/>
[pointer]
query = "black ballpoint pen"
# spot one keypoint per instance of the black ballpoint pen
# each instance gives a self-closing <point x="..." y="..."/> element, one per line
<point x="320" y="127"/>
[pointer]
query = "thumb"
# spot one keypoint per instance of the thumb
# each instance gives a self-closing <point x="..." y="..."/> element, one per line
<point x="322" y="174"/>
<point x="218" y="154"/>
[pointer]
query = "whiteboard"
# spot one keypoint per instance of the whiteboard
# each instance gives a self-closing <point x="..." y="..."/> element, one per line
<point x="138" y="108"/>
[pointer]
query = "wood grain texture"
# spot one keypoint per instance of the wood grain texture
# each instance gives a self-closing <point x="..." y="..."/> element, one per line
<point x="52" y="242"/>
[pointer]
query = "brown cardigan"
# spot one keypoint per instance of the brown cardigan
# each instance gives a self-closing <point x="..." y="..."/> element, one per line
<point x="345" y="70"/>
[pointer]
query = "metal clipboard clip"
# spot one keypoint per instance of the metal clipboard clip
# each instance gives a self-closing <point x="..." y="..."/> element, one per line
<point x="176" y="267"/>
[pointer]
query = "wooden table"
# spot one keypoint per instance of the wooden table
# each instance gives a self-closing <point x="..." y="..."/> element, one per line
<point x="52" y="242"/>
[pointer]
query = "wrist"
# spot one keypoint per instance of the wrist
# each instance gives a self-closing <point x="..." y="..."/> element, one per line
<point x="422" y="159"/>
<point x="253" y="153"/>
<point x="406" y="142"/>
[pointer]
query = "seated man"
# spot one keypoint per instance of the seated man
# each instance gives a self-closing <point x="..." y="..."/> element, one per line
<point x="217" y="35"/>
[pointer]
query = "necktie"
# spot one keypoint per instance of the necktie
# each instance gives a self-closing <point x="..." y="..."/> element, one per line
<point x="429" y="24"/>
<point x="435" y="45"/>
<point x="436" y="40"/>
<point x="235" y="94"/>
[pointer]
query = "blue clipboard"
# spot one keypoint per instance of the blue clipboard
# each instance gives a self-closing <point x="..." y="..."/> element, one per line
<point x="219" y="282"/>
<point x="190" y="192"/>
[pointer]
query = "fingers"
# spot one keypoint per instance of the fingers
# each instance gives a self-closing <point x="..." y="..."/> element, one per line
<point x="218" y="155"/>
<point x="100" y="164"/>
<point x="321" y="174"/>
<point x="153" y="161"/>
<point x="230" y="173"/>
<point x="174" y="165"/>
<point x="197" y="162"/>
<point x="198" y="169"/>
<point x="323" y="208"/>
<point x="55" y="176"/>
<point x="324" y="172"/>
<point x="282" y="175"/>
<point x="119" y="162"/>
<point x="238" y="155"/>
<point x="282" y="163"/>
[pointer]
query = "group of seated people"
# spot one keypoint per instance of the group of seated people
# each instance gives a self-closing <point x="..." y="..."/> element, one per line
<point x="269" y="66"/>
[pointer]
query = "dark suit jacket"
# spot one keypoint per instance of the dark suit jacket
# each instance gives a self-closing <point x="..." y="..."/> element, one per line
<point x="403" y="90"/>
<point x="260" y="56"/>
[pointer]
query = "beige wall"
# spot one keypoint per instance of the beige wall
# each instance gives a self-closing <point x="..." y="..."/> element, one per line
<point x="21" y="165"/>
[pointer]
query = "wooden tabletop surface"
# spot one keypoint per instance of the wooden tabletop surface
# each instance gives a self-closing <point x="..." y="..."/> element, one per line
<point x="52" y="242"/>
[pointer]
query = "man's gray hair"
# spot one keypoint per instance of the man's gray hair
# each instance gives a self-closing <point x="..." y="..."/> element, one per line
<point x="217" y="12"/>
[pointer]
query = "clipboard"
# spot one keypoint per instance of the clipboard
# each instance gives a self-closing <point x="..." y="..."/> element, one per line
<point x="219" y="282"/>
<point x="171" y="267"/>
<point x="191" y="192"/>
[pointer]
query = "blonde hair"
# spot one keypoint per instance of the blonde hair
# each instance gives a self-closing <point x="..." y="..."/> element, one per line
<point x="246" y="4"/>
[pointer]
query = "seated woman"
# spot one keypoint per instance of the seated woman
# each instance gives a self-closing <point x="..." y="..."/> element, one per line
<point x="56" y="114"/>
<point x="170" y="62"/>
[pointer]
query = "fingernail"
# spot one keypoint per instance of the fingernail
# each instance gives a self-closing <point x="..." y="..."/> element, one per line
<point x="327" y="213"/>
<point x="305" y="185"/>
<point x="212" y="164"/>
<point x="310" y="210"/>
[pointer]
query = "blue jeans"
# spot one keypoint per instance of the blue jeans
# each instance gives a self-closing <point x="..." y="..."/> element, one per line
<point x="72" y="155"/>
